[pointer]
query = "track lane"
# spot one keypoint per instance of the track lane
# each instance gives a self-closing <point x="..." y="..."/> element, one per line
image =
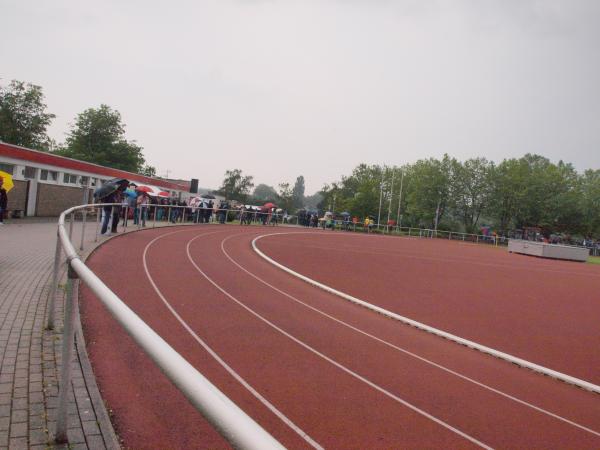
<point x="205" y="314"/>
<point x="296" y="378"/>
<point x="550" y="307"/>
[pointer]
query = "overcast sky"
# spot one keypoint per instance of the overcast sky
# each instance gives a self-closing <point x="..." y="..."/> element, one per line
<point x="287" y="88"/>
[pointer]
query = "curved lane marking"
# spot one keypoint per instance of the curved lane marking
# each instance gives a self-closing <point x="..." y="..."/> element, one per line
<point x="228" y="368"/>
<point x="407" y="352"/>
<point x="335" y="363"/>
<point x="474" y="345"/>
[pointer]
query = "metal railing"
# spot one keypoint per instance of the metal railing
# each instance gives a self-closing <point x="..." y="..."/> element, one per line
<point x="231" y="422"/>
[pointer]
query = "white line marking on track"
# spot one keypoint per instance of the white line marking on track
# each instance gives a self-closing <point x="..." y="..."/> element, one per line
<point x="474" y="345"/>
<point x="228" y="368"/>
<point x="407" y="352"/>
<point x="335" y="363"/>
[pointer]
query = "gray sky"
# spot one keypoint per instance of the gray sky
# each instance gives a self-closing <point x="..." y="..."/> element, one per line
<point x="287" y="88"/>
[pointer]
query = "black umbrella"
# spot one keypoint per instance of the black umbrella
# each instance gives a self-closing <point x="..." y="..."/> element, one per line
<point x="111" y="186"/>
<point x="208" y="196"/>
<point x="345" y="213"/>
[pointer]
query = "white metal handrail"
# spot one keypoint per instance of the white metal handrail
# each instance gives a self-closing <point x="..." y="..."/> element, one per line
<point x="232" y="423"/>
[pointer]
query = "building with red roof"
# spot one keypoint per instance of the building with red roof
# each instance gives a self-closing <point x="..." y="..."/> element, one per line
<point x="47" y="184"/>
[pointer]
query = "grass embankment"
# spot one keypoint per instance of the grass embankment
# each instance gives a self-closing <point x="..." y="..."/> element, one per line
<point x="594" y="260"/>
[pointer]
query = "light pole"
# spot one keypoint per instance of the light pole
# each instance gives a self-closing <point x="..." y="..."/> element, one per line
<point x="391" y="195"/>
<point x="380" y="199"/>
<point x="398" y="220"/>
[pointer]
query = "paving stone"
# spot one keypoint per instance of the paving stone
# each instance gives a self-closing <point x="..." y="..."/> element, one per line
<point x="37" y="436"/>
<point x="18" y="443"/>
<point x="19" y="415"/>
<point x="18" y="430"/>
<point x="90" y="427"/>
<point x="75" y="436"/>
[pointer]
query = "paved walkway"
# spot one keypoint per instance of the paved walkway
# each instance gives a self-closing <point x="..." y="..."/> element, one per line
<point x="31" y="356"/>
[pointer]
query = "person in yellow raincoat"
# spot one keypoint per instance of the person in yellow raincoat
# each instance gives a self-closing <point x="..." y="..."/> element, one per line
<point x="3" y="200"/>
<point x="367" y="224"/>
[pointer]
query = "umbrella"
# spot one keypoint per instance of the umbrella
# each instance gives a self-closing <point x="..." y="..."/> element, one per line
<point x="146" y="189"/>
<point x="110" y="186"/>
<point x="195" y="202"/>
<point x="209" y="196"/>
<point x="129" y="193"/>
<point x="164" y="194"/>
<point x="8" y="181"/>
<point x="345" y="213"/>
<point x="269" y="205"/>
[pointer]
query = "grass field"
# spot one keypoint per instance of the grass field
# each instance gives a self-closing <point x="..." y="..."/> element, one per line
<point x="594" y="260"/>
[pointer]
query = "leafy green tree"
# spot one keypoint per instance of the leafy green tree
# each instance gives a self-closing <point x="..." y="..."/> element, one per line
<point x="509" y="182"/>
<point x="312" y="201"/>
<point x="23" y="116"/>
<point x="98" y="136"/>
<point x="589" y="203"/>
<point x="428" y="194"/>
<point x="470" y="190"/>
<point x="236" y="186"/>
<point x="148" y="171"/>
<point x="264" y="193"/>
<point x="298" y="192"/>
<point x="286" y="197"/>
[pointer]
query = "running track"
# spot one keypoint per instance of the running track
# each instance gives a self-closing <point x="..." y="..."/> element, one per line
<point x="315" y="370"/>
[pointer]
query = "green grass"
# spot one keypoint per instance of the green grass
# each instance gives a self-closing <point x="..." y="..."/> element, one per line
<point x="594" y="260"/>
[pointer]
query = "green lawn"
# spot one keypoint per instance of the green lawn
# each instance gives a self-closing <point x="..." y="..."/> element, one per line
<point x="594" y="260"/>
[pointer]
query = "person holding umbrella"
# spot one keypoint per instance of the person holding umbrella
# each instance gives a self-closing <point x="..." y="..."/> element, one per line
<point x="3" y="200"/>
<point x="111" y="192"/>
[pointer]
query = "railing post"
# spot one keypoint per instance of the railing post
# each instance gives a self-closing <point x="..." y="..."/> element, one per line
<point x="99" y="219"/>
<point x="126" y="217"/>
<point x="57" y="254"/>
<point x="154" y="221"/>
<point x="67" y="355"/>
<point x="71" y="226"/>
<point x="83" y="221"/>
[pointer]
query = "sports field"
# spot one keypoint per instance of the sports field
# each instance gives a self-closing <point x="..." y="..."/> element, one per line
<point x="316" y="370"/>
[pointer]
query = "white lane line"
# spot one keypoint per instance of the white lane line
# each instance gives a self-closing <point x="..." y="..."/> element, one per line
<point x="335" y="363"/>
<point x="407" y="352"/>
<point x="228" y="368"/>
<point x="474" y="345"/>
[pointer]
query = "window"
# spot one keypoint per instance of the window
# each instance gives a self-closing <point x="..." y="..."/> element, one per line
<point x="8" y="168"/>
<point x="84" y="181"/>
<point x="30" y="172"/>
<point x="48" y="175"/>
<point x="69" y="178"/>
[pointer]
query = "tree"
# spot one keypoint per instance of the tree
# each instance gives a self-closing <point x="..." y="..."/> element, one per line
<point x="149" y="171"/>
<point x="286" y="197"/>
<point x="470" y="189"/>
<point x="428" y="194"/>
<point x="589" y="202"/>
<point x="23" y="116"/>
<point x="298" y="192"/>
<point x="236" y="186"/>
<point x="264" y="193"/>
<point x="98" y="136"/>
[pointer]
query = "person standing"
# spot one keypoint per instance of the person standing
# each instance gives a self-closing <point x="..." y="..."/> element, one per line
<point x="3" y="200"/>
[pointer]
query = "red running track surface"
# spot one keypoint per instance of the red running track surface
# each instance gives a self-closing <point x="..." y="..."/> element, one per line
<point x="544" y="311"/>
<point x="345" y="376"/>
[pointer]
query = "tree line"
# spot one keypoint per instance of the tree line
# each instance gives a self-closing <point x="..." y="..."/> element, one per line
<point x="448" y="194"/>
<point x="240" y="187"/>
<point x="445" y="193"/>
<point x="97" y="135"/>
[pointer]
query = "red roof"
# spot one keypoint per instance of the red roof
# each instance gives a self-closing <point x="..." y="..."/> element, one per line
<point x="16" y="152"/>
